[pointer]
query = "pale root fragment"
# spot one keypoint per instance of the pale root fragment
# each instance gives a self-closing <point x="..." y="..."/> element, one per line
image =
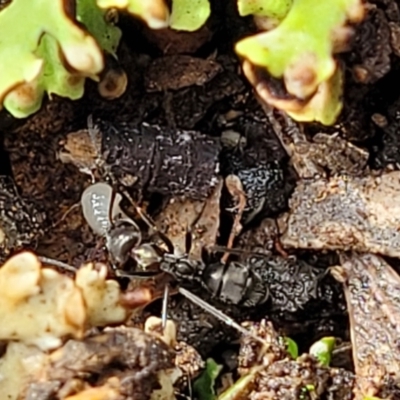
<point x="105" y="392"/>
<point x="47" y="304"/>
<point x="50" y="306"/>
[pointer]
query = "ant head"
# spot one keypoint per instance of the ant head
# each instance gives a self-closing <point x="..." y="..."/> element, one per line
<point x="121" y="238"/>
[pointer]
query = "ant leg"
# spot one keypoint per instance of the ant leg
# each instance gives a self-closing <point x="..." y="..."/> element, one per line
<point x="239" y="252"/>
<point x="56" y="263"/>
<point x="142" y="214"/>
<point x="188" y="240"/>
<point x="164" y="310"/>
<point x="166" y="240"/>
<point x="235" y="188"/>
<point x="65" y="215"/>
<point x="218" y="314"/>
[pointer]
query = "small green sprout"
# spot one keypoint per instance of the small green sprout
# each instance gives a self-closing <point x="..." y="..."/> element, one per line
<point x="291" y="347"/>
<point x="322" y="350"/>
<point x="24" y="55"/>
<point x="154" y="12"/>
<point x="204" y="386"/>
<point x="276" y="9"/>
<point x="306" y="390"/>
<point x="240" y="387"/>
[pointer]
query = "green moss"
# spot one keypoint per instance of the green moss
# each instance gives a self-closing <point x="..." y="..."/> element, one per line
<point x="291" y="347"/>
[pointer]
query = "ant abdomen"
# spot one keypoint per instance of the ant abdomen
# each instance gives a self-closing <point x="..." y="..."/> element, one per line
<point x="235" y="283"/>
<point x="96" y="202"/>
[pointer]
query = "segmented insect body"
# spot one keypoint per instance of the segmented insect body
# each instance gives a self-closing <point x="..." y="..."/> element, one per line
<point x="235" y="283"/>
<point x="161" y="160"/>
<point x="232" y="283"/>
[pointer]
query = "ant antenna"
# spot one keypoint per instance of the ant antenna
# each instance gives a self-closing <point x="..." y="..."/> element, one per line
<point x="219" y="314"/>
<point x="238" y="252"/>
<point x="56" y="263"/>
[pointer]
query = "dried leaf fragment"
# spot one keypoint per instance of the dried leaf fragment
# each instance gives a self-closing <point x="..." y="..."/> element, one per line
<point x="48" y="304"/>
<point x="346" y="213"/>
<point x="372" y="290"/>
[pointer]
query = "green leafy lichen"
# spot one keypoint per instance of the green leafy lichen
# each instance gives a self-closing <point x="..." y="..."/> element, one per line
<point x="325" y="105"/>
<point x="54" y="79"/>
<point x="300" y="48"/>
<point x="48" y="52"/>
<point x="300" y="51"/>
<point x="186" y="15"/>
<point x="189" y="15"/>
<point x="94" y="19"/>
<point x="272" y="8"/>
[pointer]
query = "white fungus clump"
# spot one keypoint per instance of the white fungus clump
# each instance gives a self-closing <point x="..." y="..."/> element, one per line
<point x="41" y="306"/>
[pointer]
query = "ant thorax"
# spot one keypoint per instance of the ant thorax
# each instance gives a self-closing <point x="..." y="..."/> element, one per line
<point x="182" y="267"/>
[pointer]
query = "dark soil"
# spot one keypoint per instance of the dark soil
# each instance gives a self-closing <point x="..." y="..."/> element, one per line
<point x="306" y="303"/>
